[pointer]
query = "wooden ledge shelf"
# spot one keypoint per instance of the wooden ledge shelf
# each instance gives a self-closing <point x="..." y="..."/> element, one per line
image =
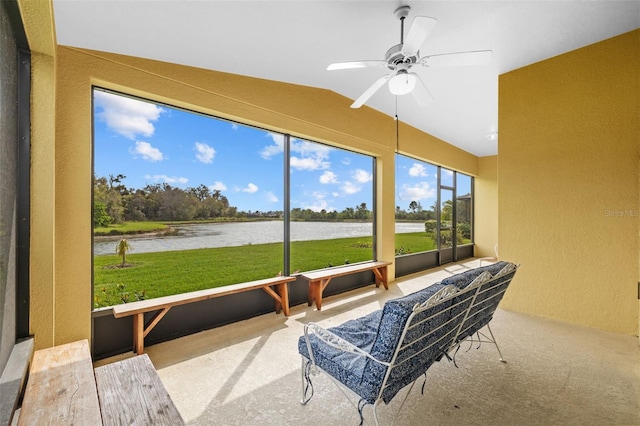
<point x="279" y="292"/>
<point x="318" y="280"/>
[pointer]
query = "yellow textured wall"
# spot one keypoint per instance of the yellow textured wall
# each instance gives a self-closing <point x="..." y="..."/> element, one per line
<point x="568" y="184"/>
<point x="38" y="21"/>
<point x="486" y="207"/>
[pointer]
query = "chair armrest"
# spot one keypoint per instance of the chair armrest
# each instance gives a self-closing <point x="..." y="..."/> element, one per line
<point x="335" y="341"/>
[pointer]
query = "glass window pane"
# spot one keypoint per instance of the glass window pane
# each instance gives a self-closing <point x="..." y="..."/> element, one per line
<point x="446" y="177"/>
<point x="192" y="196"/>
<point x="331" y="206"/>
<point x="464" y="208"/>
<point x="416" y="202"/>
<point x="446" y="218"/>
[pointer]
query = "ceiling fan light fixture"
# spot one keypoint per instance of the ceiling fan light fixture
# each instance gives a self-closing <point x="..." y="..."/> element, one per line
<point x="402" y="83"/>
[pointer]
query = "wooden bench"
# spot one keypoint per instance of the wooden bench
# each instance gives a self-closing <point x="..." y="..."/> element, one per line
<point x="163" y="304"/>
<point x="64" y="388"/>
<point x="318" y="280"/>
<point x="130" y="392"/>
<point x="61" y="388"/>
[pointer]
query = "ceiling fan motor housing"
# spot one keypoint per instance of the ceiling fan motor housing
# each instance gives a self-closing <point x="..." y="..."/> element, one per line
<point x="394" y="57"/>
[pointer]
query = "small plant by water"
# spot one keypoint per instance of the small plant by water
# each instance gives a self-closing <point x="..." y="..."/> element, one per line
<point x="122" y="248"/>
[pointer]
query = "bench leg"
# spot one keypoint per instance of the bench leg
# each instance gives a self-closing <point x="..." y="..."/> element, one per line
<point x="381" y="277"/>
<point x="316" y="287"/>
<point x="284" y="295"/>
<point x="138" y="333"/>
<point x="282" y="301"/>
<point x="281" y="297"/>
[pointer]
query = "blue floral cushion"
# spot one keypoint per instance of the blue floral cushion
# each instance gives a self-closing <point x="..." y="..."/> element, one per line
<point x="489" y="296"/>
<point x="378" y="334"/>
<point x="462" y="280"/>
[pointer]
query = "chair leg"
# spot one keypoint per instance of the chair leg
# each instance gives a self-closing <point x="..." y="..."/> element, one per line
<point x="306" y="382"/>
<point x="496" y="343"/>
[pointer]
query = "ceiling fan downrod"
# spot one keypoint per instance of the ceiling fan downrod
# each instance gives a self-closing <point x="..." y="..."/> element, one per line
<point x="401" y="13"/>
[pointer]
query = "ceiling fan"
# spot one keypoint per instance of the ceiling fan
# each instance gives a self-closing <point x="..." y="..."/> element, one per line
<point x="402" y="57"/>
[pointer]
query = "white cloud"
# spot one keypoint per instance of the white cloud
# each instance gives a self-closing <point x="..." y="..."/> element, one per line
<point x="204" y="153"/>
<point x="349" y="188"/>
<point x="126" y="116"/>
<point x="309" y="163"/>
<point x="417" y="170"/>
<point x="234" y="126"/>
<point x="310" y="155"/>
<point x="362" y="176"/>
<point x="147" y="152"/>
<point x="271" y="197"/>
<point x="328" y="177"/>
<point x="217" y="185"/>
<point x="167" y="179"/>
<point x="275" y="149"/>
<point x="251" y="188"/>
<point x="318" y="203"/>
<point x="346" y="161"/>
<point x="306" y="148"/>
<point x="420" y="191"/>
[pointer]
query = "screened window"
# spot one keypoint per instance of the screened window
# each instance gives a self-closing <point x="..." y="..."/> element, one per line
<point x="434" y="208"/>
<point x="182" y="201"/>
<point x="416" y="205"/>
<point x="331" y="206"/>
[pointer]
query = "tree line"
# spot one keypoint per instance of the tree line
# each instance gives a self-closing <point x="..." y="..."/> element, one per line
<point x="115" y="203"/>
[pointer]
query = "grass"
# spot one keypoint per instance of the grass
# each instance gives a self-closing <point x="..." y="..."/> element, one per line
<point x="128" y="228"/>
<point x="150" y="275"/>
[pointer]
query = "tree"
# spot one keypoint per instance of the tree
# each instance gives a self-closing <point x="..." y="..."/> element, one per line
<point x="362" y="212"/>
<point x="100" y="216"/>
<point x="105" y="193"/>
<point x="122" y="248"/>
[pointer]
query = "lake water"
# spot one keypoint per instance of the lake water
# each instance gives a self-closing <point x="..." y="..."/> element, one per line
<point x="209" y="235"/>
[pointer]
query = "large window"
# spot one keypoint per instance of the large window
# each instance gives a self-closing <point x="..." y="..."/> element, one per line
<point x="416" y="205"/>
<point x="185" y="201"/>
<point x="331" y="206"/>
<point x="434" y="208"/>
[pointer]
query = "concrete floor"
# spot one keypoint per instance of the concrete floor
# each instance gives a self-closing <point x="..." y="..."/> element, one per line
<point x="248" y="373"/>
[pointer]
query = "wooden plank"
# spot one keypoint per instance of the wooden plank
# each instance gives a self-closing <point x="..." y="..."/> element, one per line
<point x="344" y="270"/>
<point x="131" y="392"/>
<point x="61" y="388"/>
<point x="142" y="306"/>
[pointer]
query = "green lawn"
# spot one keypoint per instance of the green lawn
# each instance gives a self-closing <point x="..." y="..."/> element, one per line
<point x="163" y="273"/>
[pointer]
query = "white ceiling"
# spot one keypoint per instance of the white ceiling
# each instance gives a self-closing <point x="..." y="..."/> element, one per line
<point x="294" y="41"/>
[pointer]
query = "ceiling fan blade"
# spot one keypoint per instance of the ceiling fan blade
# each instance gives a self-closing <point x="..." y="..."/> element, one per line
<point x="478" y="57"/>
<point x="420" y="93"/>
<point x="420" y="29"/>
<point x="370" y="91"/>
<point x="355" y="64"/>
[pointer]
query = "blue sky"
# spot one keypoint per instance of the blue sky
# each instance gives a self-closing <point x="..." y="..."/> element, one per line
<point x="152" y="144"/>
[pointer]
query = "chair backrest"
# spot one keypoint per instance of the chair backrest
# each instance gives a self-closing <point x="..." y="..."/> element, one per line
<point x="436" y="325"/>
<point x="486" y="300"/>
<point x="429" y="332"/>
